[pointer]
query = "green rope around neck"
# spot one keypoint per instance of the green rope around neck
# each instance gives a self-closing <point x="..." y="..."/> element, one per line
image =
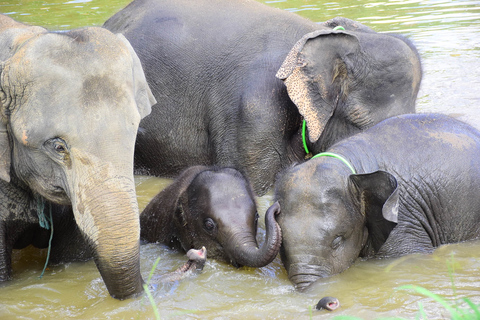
<point x="304" y="128"/>
<point x="336" y="156"/>
<point x="324" y="154"/>
<point x="46" y="223"/>
<point x="338" y="28"/>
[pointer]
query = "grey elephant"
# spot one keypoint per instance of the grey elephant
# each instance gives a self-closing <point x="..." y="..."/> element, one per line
<point x="58" y="93"/>
<point x="213" y="207"/>
<point x="407" y="185"/>
<point x="233" y="80"/>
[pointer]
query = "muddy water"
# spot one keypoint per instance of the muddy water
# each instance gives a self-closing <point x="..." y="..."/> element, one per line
<point x="447" y="34"/>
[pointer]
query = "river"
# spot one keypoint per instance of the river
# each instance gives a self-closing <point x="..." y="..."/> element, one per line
<point x="447" y="34"/>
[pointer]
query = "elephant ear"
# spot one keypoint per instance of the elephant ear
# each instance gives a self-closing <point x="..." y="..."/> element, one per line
<point x="13" y="35"/>
<point x="316" y="73"/>
<point x="143" y="95"/>
<point x="5" y="152"/>
<point x="378" y="198"/>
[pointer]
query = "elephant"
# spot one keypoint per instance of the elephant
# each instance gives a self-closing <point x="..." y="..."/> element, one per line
<point x="234" y="79"/>
<point x="407" y="185"/>
<point x="58" y="156"/>
<point x="212" y="207"/>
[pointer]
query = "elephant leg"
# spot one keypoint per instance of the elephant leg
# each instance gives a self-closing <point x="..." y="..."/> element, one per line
<point x="6" y="247"/>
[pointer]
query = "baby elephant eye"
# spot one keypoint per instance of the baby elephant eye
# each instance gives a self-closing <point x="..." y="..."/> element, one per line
<point x="337" y="241"/>
<point x="209" y="224"/>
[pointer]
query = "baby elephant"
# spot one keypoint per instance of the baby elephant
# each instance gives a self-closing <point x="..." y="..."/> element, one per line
<point x="215" y="208"/>
<point x="409" y="184"/>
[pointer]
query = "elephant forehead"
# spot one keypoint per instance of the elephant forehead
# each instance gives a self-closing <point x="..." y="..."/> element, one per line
<point x="68" y="58"/>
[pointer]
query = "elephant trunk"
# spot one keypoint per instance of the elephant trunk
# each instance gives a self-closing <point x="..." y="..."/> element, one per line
<point x="114" y="236"/>
<point x="106" y="211"/>
<point x="247" y="253"/>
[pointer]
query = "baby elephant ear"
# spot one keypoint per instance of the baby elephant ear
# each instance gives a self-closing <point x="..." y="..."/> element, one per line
<point x="143" y="95"/>
<point x="315" y="73"/>
<point x="377" y="196"/>
<point x="377" y="190"/>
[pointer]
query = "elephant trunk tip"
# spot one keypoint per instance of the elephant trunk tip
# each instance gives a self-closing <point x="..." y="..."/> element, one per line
<point x="251" y="255"/>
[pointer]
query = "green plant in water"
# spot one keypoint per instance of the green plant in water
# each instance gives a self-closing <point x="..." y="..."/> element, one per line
<point x="152" y="300"/>
<point x="147" y="290"/>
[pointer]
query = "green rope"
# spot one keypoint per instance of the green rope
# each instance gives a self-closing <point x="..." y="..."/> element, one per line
<point x="46" y="224"/>
<point x="336" y="156"/>
<point x="304" y="128"/>
<point x="338" y="28"/>
<point x="49" y="244"/>
<point x="42" y="219"/>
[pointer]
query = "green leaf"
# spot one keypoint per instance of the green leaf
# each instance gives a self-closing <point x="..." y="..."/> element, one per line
<point x="152" y="301"/>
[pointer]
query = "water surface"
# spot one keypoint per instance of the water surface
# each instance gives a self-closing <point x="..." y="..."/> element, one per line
<point x="447" y="34"/>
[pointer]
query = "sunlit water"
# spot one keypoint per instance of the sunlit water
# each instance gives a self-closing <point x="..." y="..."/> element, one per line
<point x="447" y="34"/>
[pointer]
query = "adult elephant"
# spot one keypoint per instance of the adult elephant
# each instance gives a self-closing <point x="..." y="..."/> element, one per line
<point x="212" y="65"/>
<point x="58" y="92"/>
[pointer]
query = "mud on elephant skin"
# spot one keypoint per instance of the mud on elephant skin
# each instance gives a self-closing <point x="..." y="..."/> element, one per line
<point x="213" y="67"/>
<point x="412" y="186"/>
<point x="58" y="91"/>
<point x="212" y="207"/>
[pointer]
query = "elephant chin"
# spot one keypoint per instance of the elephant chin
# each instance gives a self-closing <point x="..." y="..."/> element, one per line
<point x="246" y="252"/>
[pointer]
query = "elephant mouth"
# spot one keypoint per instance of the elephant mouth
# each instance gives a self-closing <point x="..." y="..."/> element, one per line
<point x="303" y="281"/>
<point x="304" y="275"/>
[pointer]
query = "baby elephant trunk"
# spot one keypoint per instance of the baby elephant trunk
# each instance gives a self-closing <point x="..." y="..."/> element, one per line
<point x="247" y="253"/>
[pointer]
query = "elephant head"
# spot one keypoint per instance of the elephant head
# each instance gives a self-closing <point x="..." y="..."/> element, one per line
<point x="330" y="217"/>
<point x="345" y="81"/>
<point x="217" y="210"/>
<point x="70" y="108"/>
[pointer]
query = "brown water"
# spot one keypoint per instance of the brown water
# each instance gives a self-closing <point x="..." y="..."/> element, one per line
<point x="447" y="34"/>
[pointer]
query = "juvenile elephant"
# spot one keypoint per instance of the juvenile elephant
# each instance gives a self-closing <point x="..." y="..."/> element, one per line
<point x="212" y="66"/>
<point x="213" y="207"/>
<point x="409" y="184"/>
<point x="70" y="105"/>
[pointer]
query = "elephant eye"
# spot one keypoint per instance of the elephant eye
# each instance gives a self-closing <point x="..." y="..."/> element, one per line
<point x="337" y="242"/>
<point x="209" y="224"/>
<point x="58" y="146"/>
